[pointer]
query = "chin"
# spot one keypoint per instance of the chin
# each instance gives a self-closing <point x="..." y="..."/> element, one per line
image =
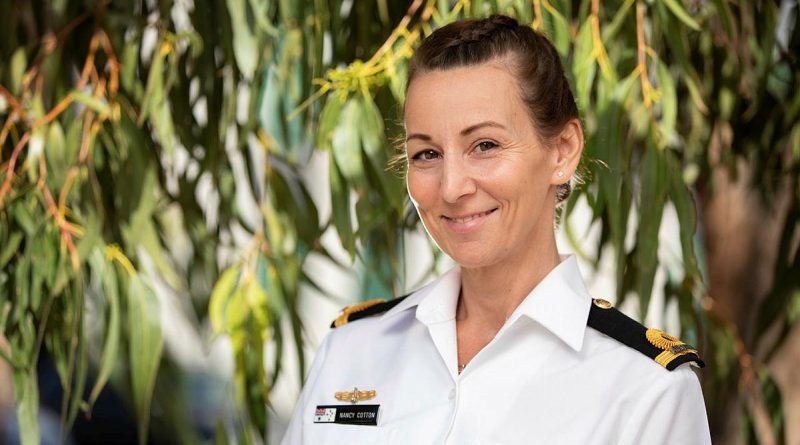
<point x="472" y="259"/>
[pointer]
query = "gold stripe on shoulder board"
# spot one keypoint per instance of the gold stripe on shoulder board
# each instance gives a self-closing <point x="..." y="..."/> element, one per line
<point x="343" y="318"/>
<point x="672" y="346"/>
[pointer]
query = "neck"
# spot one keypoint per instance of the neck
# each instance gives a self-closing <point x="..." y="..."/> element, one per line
<point x="490" y="294"/>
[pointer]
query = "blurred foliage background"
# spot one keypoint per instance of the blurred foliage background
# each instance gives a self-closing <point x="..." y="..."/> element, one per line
<point x="155" y="162"/>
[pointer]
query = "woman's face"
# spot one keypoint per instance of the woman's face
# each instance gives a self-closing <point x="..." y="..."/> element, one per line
<point x="482" y="182"/>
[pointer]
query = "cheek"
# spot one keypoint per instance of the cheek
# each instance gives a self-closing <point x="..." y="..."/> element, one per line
<point x="421" y="189"/>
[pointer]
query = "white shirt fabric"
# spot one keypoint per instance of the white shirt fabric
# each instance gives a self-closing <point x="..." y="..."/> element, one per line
<point x="546" y="378"/>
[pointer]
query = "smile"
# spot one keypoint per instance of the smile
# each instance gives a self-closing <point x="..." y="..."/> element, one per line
<point x="466" y="223"/>
<point x="468" y="218"/>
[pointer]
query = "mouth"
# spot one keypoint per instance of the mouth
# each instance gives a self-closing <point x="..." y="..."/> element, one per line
<point x="467" y="218"/>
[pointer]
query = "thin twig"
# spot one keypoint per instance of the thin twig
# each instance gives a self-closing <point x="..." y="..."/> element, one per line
<point x="86" y="136"/>
<point x="113" y="63"/>
<point x="15" y="105"/>
<point x="537" y="14"/>
<point x="64" y="227"/>
<point x="88" y="64"/>
<point x="4" y="132"/>
<point x="641" y="46"/>
<point x="599" y="49"/>
<point x="12" y="162"/>
<point x="396" y="34"/>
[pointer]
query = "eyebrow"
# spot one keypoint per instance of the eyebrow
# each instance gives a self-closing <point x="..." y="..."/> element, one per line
<point x="420" y="136"/>
<point x="480" y="125"/>
<point x="464" y="132"/>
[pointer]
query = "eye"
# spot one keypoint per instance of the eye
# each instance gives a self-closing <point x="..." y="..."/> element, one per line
<point x="425" y="155"/>
<point x="484" y="146"/>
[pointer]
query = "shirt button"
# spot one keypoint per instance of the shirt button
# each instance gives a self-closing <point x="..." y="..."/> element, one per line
<point x="452" y="394"/>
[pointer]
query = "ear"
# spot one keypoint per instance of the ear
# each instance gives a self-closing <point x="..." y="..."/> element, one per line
<point x="569" y="147"/>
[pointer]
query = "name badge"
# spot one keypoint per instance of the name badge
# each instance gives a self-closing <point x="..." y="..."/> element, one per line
<point x="347" y="414"/>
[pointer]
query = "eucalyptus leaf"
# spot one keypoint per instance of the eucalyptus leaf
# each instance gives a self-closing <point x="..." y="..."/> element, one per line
<point x="26" y="393"/>
<point x="17" y="70"/>
<point x="655" y="177"/>
<point x="145" y="345"/>
<point x="346" y="142"/>
<point x="110" y="356"/>
<point x="680" y="13"/>
<point x="244" y="40"/>
<point x="218" y="302"/>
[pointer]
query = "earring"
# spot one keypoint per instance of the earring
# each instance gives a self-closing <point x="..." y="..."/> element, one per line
<point x="560" y="174"/>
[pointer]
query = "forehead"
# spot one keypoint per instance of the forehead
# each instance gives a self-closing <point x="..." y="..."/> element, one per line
<point x="463" y="96"/>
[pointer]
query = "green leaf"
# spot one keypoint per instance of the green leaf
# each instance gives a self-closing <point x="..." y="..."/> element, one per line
<point x="218" y="302"/>
<point x="26" y="397"/>
<point x="25" y="219"/>
<point x="669" y="102"/>
<point x="372" y="136"/>
<point x="257" y="298"/>
<point x="561" y="36"/>
<point x="340" y="209"/>
<point x="17" y="70"/>
<point x="22" y="283"/>
<point x="269" y="110"/>
<point x="347" y="142"/>
<point x="237" y="311"/>
<point x="584" y="66"/>
<point x="154" y="92"/>
<point x="726" y="17"/>
<point x="161" y="117"/>
<point x="93" y="103"/>
<point x="107" y="275"/>
<point x="654" y="179"/>
<point x="92" y="235"/>
<point x="610" y="30"/>
<point x="35" y="150"/>
<point x="681" y="14"/>
<point x="78" y="359"/>
<point x="329" y="119"/>
<point x="55" y="153"/>
<point x="141" y="230"/>
<point x="687" y="215"/>
<point x="130" y="61"/>
<point x="10" y="248"/>
<point x="269" y="281"/>
<point x="398" y="79"/>
<point x="245" y="47"/>
<point x="145" y="346"/>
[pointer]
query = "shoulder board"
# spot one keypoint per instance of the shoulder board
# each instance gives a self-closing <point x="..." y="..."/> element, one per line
<point x="665" y="349"/>
<point x="365" y="309"/>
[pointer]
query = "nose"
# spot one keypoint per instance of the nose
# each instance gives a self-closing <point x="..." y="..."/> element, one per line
<point x="457" y="180"/>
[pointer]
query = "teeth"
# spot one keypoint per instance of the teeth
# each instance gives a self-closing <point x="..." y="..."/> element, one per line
<point x="470" y="218"/>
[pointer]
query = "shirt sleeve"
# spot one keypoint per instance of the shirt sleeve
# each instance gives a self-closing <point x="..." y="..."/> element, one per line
<point x="670" y="411"/>
<point x="294" y="433"/>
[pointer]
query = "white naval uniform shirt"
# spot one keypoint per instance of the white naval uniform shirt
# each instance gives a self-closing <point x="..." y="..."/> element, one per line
<point x="546" y="378"/>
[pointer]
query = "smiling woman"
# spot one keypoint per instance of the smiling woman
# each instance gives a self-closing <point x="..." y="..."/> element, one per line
<point x="508" y="347"/>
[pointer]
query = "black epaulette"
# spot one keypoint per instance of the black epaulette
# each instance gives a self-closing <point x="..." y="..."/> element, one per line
<point x="665" y="349"/>
<point x="365" y="309"/>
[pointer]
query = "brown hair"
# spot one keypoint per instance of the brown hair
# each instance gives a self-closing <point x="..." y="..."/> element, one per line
<point x="534" y="62"/>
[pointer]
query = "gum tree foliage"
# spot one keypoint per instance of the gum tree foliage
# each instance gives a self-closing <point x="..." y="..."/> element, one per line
<point x="141" y="139"/>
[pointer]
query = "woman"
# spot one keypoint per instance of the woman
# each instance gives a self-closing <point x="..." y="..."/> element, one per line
<point x="508" y="347"/>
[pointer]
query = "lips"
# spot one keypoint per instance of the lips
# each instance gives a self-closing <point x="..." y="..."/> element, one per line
<point x="467" y="222"/>
<point x="468" y="218"/>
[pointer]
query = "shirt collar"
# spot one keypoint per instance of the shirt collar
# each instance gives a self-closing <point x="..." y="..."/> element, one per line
<point x="436" y="301"/>
<point x="560" y="302"/>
